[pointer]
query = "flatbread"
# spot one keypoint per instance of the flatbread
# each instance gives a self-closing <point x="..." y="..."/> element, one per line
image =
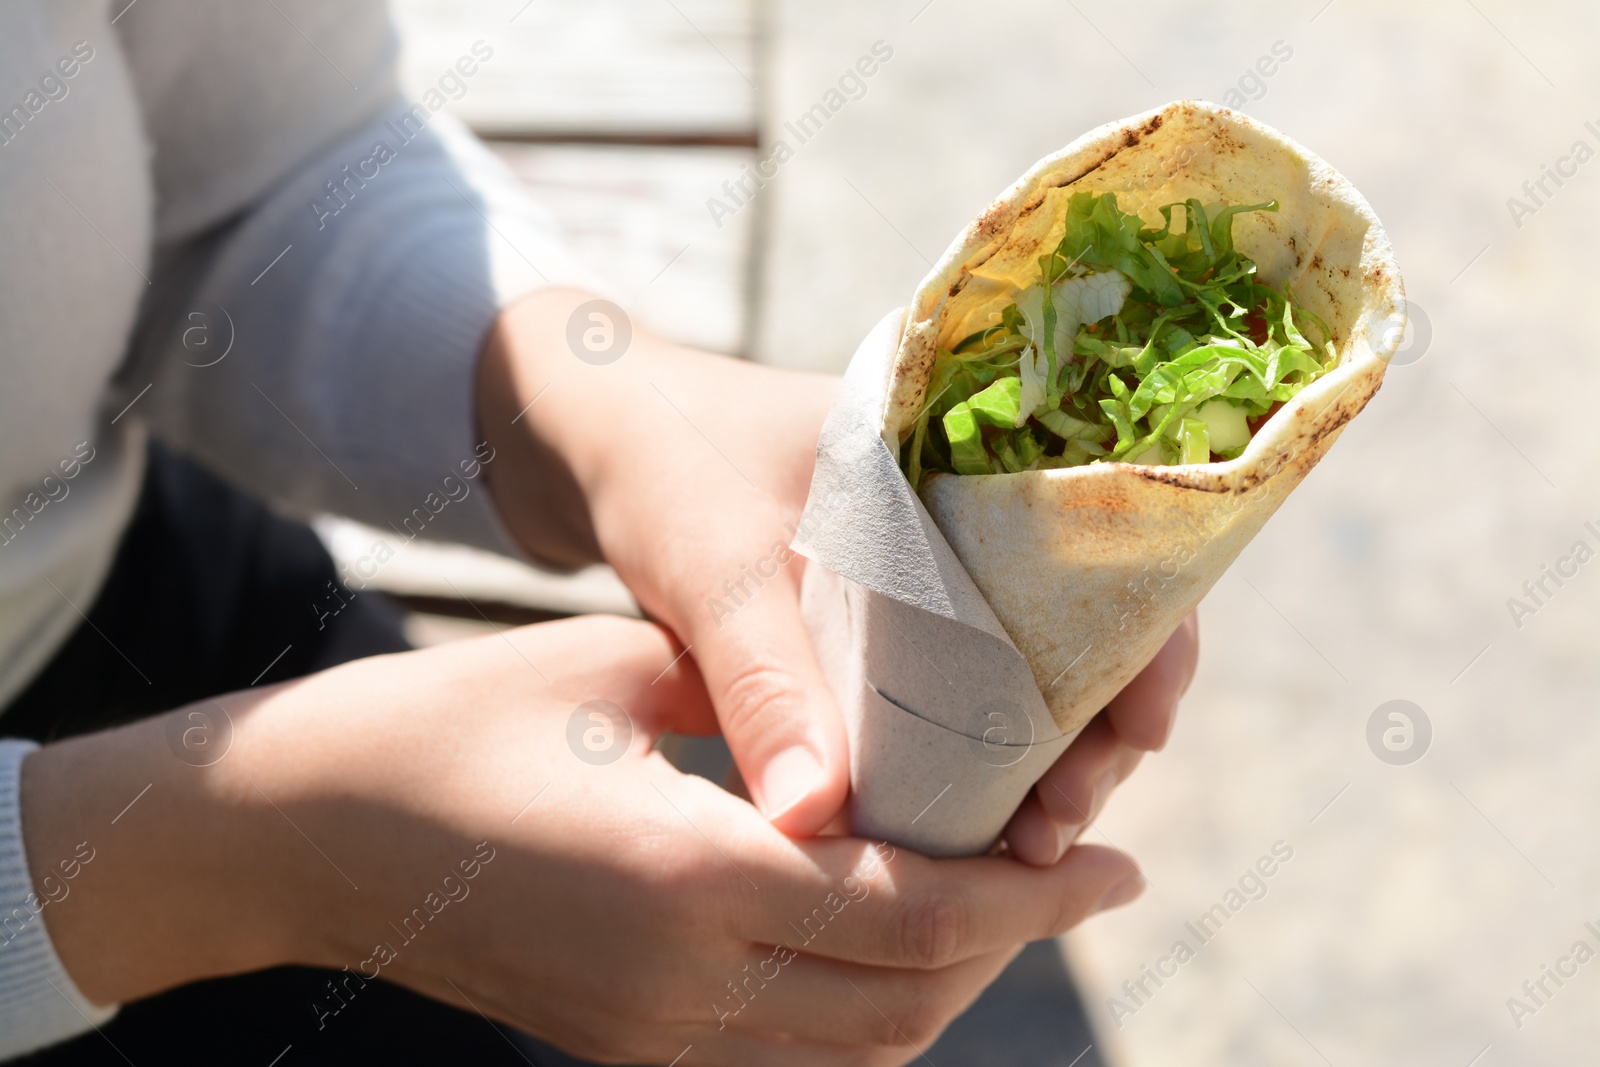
<point x="1090" y="568"/>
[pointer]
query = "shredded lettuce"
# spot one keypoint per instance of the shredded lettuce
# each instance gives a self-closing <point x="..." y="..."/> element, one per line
<point x="1134" y="344"/>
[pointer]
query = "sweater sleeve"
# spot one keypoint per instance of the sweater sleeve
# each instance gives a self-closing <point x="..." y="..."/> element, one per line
<point x="316" y="344"/>
<point x="39" y="1004"/>
<point x="328" y="257"/>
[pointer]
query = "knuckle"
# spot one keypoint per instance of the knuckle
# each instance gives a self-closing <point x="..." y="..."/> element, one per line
<point x="754" y="693"/>
<point x="933" y="929"/>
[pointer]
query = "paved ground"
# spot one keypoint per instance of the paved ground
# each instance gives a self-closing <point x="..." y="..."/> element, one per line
<point x="1418" y="898"/>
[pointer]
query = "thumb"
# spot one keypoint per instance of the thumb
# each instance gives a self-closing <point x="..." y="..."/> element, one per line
<point x="777" y="713"/>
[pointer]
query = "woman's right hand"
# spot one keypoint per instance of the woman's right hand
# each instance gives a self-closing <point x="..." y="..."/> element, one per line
<point x="440" y="819"/>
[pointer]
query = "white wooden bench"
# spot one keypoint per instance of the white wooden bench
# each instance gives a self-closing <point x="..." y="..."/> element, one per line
<point x="622" y="118"/>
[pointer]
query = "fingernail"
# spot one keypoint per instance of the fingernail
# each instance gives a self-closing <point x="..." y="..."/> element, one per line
<point x="1102" y="792"/>
<point x="789" y="777"/>
<point x="1066" y="834"/>
<point x="1123" y="892"/>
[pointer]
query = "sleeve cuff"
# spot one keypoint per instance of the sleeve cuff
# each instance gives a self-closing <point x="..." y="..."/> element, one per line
<point x="39" y="1003"/>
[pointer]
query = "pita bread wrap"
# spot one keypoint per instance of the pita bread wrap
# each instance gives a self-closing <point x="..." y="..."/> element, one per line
<point x="971" y="632"/>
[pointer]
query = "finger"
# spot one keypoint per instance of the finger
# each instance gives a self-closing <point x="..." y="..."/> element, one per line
<point x="1075" y="788"/>
<point x="649" y="676"/>
<point x="851" y="900"/>
<point x="1077" y="785"/>
<point x="1070" y="794"/>
<point x="776" y="711"/>
<point x="674" y="699"/>
<point x="616" y="1030"/>
<point x="1143" y="712"/>
<point x="817" y="999"/>
<point x="1036" y="839"/>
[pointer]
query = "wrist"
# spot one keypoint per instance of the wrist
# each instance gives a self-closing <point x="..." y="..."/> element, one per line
<point x="577" y="431"/>
<point x="606" y="456"/>
<point x="539" y="488"/>
<point x="182" y="884"/>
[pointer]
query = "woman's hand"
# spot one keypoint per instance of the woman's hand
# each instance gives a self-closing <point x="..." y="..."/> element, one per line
<point x="688" y="471"/>
<point x="449" y="820"/>
<point x="1138" y="720"/>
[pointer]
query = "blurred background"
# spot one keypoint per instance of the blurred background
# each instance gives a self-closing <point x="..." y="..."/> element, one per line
<point x="1436" y="861"/>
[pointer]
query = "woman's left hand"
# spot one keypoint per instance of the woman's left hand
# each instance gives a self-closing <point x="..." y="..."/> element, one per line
<point x="1138" y="720"/>
<point x="687" y="472"/>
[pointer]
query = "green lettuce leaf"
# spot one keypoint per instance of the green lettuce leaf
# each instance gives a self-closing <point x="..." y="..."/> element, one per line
<point x="1136" y="343"/>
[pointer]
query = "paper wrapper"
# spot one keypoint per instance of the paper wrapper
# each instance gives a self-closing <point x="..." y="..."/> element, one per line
<point x="948" y="730"/>
<point x="970" y="634"/>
